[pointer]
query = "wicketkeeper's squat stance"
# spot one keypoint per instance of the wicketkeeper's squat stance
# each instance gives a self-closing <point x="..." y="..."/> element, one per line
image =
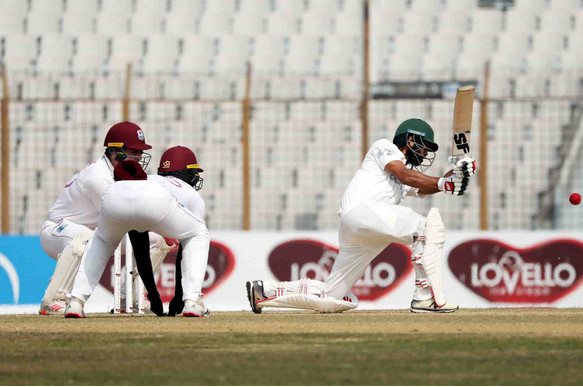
<point x="371" y="219"/>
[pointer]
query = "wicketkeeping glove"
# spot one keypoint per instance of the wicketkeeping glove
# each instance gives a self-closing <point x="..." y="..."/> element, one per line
<point x="465" y="166"/>
<point x="453" y="185"/>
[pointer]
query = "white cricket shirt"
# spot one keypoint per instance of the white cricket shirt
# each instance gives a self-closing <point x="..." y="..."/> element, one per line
<point x="80" y="199"/>
<point x="372" y="182"/>
<point x="185" y="194"/>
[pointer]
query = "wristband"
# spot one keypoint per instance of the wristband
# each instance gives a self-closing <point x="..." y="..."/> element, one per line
<point x="441" y="184"/>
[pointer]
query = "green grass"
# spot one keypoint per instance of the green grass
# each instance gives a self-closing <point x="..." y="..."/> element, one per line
<point x="491" y="347"/>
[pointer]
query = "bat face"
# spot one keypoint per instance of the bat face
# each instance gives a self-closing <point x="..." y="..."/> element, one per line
<point x="462" y="120"/>
<point x="461" y="143"/>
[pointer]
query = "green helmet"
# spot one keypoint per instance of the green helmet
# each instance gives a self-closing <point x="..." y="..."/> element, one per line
<point x="420" y="128"/>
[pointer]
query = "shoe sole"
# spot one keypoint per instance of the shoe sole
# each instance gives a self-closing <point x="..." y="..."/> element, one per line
<point x="192" y="314"/>
<point x="251" y="298"/>
<point x="46" y="312"/>
<point x="415" y="310"/>
<point x="73" y="315"/>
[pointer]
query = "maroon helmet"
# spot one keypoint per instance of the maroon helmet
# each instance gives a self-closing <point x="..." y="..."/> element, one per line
<point x="181" y="162"/>
<point x="126" y="135"/>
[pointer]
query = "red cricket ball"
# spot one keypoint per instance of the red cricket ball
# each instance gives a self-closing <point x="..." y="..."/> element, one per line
<point x="575" y="199"/>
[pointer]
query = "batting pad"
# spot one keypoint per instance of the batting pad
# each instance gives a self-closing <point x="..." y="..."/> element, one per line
<point x="433" y="252"/>
<point x="310" y="302"/>
<point x="66" y="269"/>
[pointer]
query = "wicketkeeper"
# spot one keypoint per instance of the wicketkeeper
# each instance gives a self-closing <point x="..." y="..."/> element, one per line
<point x="371" y="219"/>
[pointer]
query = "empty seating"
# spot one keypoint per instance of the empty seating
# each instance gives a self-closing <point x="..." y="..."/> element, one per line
<point x="146" y="24"/>
<point x="76" y="24"/>
<point x="283" y="25"/>
<point x="557" y="21"/>
<point x="244" y="24"/>
<point x="112" y="23"/>
<point x="192" y="8"/>
<point x="41" y="23"/>
<point x="486" y="21"/>
<point x="316" y="23"/>
<point x="214" y="24"/>
<point x="179" y="24"/>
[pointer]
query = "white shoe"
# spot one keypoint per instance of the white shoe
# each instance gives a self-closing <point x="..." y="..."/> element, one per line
<point x="429" y="306"/>
<point x="195" y="309"/>
<point x="55" y="308"/>
<point x="75" y="309"/>
<point x="254" y="294"/>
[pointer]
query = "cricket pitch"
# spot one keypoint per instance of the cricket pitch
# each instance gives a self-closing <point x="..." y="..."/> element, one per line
<point x="469" y="347"/>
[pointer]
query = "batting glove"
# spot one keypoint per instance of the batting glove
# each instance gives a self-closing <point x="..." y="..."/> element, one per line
<point x="453" y="185"/>
<point x="465" y="166"/>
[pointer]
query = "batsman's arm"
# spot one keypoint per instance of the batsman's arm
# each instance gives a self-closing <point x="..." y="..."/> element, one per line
<point x="427" y="185"/>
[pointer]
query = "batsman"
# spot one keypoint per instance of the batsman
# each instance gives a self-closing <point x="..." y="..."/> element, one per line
<point x="371" y="218"/>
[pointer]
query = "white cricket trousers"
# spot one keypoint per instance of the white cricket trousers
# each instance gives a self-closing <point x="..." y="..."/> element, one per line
<point x="144" y="206"/>
<point x="365" y="231"/>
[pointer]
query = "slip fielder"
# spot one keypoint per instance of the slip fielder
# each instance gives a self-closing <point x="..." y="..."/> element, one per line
<point x="371" y="218"/>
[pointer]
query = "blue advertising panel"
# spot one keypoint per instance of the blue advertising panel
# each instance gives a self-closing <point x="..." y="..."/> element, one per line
<point x="25" y="270"/>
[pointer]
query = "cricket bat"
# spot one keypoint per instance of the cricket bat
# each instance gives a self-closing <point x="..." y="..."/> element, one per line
<point x="462" y="121"/>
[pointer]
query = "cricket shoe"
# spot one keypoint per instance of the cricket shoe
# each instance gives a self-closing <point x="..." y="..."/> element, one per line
<point x="75" y="309"/>
<point x="55" y="308"/>
<point x="255" y="294"/>
<point x="195" y="308"/>
<point x="429" y="306"/>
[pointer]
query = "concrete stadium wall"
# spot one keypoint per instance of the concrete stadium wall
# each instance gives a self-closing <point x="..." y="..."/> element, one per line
<point x="480" y="270"/>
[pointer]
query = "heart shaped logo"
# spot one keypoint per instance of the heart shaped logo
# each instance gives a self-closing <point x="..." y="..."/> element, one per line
<point x="501" y="273"/>
<point x="221" y="262"/>
<point x="307" y="258"/>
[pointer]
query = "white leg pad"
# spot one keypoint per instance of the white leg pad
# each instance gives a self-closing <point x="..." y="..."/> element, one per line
<point x="332" y="305"/>
<point x="432" y="254"/>
<point x="311" y="302"/>
<point x="307" y="294"/>
<point x="293" y="301"/>
<point x="422" y="290"/>
<point x="66" y="269"/>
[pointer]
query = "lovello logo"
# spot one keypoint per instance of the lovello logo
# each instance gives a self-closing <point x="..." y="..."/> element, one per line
<point x="221" y="262"/>
<point x="502" y="273"/>
<point x="306" y="258"/>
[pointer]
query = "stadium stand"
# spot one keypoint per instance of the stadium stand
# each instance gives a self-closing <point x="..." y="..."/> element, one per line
<point x="189" y="61"/>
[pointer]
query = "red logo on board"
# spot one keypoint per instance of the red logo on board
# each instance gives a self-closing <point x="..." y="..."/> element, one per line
<point x="306" y="258"/>
<point x="501" y="273"/>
